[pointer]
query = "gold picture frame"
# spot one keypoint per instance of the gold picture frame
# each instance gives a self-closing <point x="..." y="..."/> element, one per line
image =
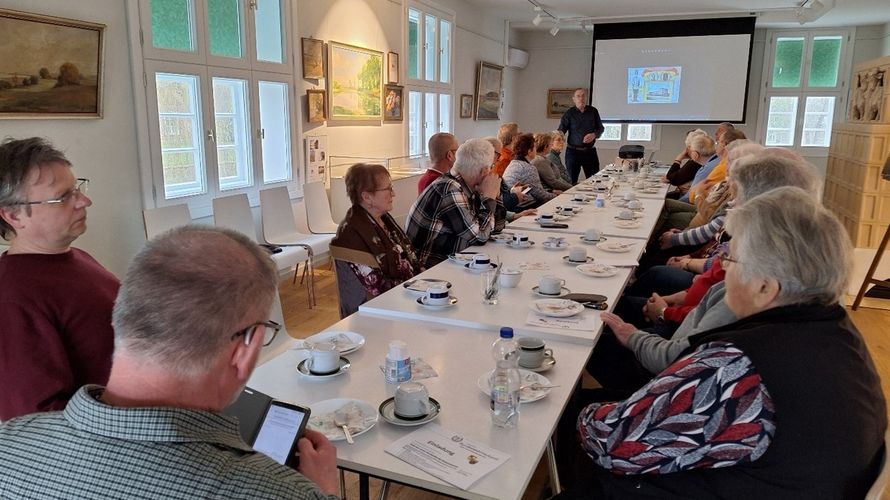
<point x="40" y="80"/>
<point x="489" y="81"/>
<point x="466" y="105"/>
<point x="315" y="106"/>
<point x="559" y="101"/>
<point x="355" y="78"/>
<point x="393" y="103"/>
<point x="313" y="58"/>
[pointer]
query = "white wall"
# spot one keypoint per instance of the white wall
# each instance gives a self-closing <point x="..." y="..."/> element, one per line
<point x="104" y="150"/>
<point x="885" y="46"/>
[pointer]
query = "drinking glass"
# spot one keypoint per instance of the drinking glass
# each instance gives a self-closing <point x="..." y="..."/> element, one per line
<point x="490" y="287"/>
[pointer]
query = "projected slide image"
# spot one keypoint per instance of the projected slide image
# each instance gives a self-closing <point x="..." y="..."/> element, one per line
<point x="653" y="85"/>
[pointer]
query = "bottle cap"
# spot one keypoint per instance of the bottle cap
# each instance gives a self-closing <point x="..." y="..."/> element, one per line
<point x="397" y="350"/>
<point x="506" y="332"/>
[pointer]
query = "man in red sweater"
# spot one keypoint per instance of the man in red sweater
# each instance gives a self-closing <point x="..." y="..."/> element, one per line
<point x="55" y="300"/>
<point x="442" y="148"/>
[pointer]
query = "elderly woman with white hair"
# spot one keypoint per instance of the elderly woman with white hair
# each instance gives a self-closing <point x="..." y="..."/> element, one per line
<point x="698" y="148"/>
<point x="460" y="208"/>
<point x="782" y="403"/>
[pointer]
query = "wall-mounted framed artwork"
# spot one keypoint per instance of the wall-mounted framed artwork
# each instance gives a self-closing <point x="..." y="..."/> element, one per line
<point x="393" y="103"/>
<point x="355" y="77"/>
<point x="50" y="67"/>
<point x="466" y="105"/>
<point x="559" y="101"/>
<point x="489" y="78"/>
<point x="315" y="106"/>
<point x="313" y="58"/>
<point x="392" y="67"/>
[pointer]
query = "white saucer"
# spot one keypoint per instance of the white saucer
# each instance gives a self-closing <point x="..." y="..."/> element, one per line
<point x="387" y="410"/>
<point x="626" y="224"/>
<point x="345" y="342"/>
<point x="528" y="244"/>
<point x="461" y="257"/>
<point x="585" y="202"/>
<point x="469" y="267"/>
<point x="615" y="247"/>
<point x="501" y="238"/>
<point x="421" y="285"/>
<point x="557" y="308"/>
<point x="421" y="301"/>
<point x="592" y="242"/>
<point x="597" y="270"/>
<point x="562" y="291"/>
<point x="560" y="246"/>
<point x="526" y="376"/>
<point x="556" y="218"/>
<point x="344" y="367"/>
<point x="566" y="259"/>
<point x="322" y="421"/>
<point x="547" y="364"/>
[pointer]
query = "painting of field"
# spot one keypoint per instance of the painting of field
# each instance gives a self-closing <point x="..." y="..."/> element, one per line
<point x="49" y="67"/>
<point x="488" y="91"/>
<point x="356" y="75"/>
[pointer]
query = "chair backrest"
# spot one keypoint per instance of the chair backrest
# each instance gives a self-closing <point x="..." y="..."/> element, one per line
<point x="233" y="212"/>
<point x="876" y="492"/>
<point x="351" y="291"/>
<point x="158" y="220"/>
<point x="318" y="207"/>
<point x="283" y="341"/>
<point x="300" y="217"/>
<point x="340" y="203"/>
<point x="279" y="224"/>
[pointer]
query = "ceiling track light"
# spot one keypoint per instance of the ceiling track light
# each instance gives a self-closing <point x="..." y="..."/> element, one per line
<point x="554" y="30"/>
<point x="537" y="20"/>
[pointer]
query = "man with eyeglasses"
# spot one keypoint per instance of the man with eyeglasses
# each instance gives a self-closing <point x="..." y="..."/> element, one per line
<point x="55" y="300"/>
<point x="189" y="322"/>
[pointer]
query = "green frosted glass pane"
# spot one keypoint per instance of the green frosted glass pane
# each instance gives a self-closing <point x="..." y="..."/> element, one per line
<point x="826" y="59"/>
<point x="171" y="25"/>
<point x="789" y="54"/>
<point x="225" y="27"/>
<point x="413" y="40"/>
<point x="179" y="167"/>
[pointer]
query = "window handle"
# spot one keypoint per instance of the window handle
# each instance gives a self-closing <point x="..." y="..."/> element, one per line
<point x="261" y="133"/>
<point x="210" y="136"/>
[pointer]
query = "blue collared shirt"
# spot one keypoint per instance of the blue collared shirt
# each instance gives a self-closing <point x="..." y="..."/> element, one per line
<point x="702" y="174"/>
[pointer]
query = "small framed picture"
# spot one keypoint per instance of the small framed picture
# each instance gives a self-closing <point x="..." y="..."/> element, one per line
<point x="466" y="105"/>
<point x="313" y="58"/>
<point x="315" y="106"/>
<point x="392" y="68"/>
<point x="559" y="101"/>
<point x="392" y="103"/>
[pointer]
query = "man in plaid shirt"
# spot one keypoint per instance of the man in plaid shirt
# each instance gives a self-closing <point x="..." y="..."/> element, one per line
<point x="459" y="209"/>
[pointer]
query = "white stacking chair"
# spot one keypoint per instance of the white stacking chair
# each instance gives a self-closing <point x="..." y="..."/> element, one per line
<point x="319" y="242"/>
<point x="318" y="208"/>
<point x="280" y="228"/>
<point x="158" y="220"/>
<point x="340" y="203"/>
<point x="233" y="212"/>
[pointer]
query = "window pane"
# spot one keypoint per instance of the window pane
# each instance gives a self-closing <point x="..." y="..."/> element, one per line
<point x="268" y="23"/>
<point x="430" y="124"/>
<point x="789" y="54"/>
<point x="826" y="59"/>
<point x="413" y="44"/>
<point x="639" y="132"/>
<point x="182" y="148"/>
<point x="232" y="133"/>
<point x="612" y="132"/>
<point x="429" y="48"/>
<point x="444" y="51"/>
<point x="224" y="20"/>
<point x="171" y="25"/>
<point x="275" y="123"/>
<point x="415" y="123"/>
<point x="444" y="113"/>
<point x="781" y="121"/>
<point x="818" y="114"/>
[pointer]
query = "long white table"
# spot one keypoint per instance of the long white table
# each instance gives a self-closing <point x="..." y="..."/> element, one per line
<point x="460" y="356"/>
<point x="513" y="305"/>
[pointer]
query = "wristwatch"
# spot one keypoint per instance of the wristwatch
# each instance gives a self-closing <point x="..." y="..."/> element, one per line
<point x="660" y="318"/>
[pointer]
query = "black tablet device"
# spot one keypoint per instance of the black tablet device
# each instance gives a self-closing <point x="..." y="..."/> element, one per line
<point x="272" y="427"/>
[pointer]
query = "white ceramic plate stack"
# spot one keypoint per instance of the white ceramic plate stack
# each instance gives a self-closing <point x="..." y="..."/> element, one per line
<point x="557" y="308"/>
<point x="419" y="286"/>
<point x="345" y="342"/>
<point x="615" y="246"/>
<point x="597" y="270"/>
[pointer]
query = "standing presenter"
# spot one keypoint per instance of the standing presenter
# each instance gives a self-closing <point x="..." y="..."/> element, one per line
<point x="584" y="126"/>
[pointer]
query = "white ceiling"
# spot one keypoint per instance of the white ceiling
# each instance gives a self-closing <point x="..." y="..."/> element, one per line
<point x="771" y="13"/>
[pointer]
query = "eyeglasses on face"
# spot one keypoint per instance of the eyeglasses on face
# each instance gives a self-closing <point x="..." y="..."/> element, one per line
<point x="79" y="187"/>
<point x="389" y="188"/>
<point x="271" y="330"/>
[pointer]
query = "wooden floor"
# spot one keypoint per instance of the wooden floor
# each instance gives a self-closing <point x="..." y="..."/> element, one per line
<point x="302" y="322"/>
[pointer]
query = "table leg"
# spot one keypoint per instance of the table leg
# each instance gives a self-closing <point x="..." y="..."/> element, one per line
<point x="551" y="462"/>
<point x="364" y="487"/>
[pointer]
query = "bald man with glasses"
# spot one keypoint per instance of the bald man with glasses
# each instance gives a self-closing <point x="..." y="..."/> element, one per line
<point x="55" y="300"/>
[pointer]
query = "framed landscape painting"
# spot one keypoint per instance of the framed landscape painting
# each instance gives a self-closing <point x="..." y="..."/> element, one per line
<point x="466" y="105"/>
<point x="50" y="67"/>
<point x="488" y="91"/>
<point x="559" y="101"/>
<point x="315" y="106"/>
<point x="313" y="58"/>
<point x="355" y="77"/>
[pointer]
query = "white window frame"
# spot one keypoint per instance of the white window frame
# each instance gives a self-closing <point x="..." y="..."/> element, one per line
<point x="839" y="92"/>
<point x="148" y="60"/>
<point x="434" y="86"/>
<point x="653" y="144"/>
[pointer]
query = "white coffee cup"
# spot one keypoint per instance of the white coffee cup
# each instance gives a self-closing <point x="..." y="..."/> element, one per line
<point x="520" y="239"/>
<point x="578" y="254"/>
<point x="550" y="285"/>
<point x="629" y="196"/>
<point x="510" y="277"/>
<point x="568" y="210"/>
<point x="546" y="216"/>
<point x="634" y="204"/>
<point x="532" y="352"/>
<point x="625" y="214"/>
<point x="554" y="241"/>
<point x="324" y="358"/>
<point x="592" y="234"/>
<point x="437" y="295"/>
<point x="412" y="400"/>
<point x="579" y="197"/>
<point x="481" y="261"/>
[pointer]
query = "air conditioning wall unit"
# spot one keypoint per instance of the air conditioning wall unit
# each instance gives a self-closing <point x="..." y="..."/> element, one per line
<point x="517" y="58"/>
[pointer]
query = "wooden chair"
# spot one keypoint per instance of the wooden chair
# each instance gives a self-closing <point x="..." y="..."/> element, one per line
<point x="870" y="275"/>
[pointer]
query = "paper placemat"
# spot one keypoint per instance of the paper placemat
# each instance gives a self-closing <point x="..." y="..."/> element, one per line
<point x="578" y="322"/>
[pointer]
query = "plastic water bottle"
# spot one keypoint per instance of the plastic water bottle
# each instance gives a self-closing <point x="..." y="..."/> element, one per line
<point x="505" y="380"/>
<point x="397" y="367"/>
